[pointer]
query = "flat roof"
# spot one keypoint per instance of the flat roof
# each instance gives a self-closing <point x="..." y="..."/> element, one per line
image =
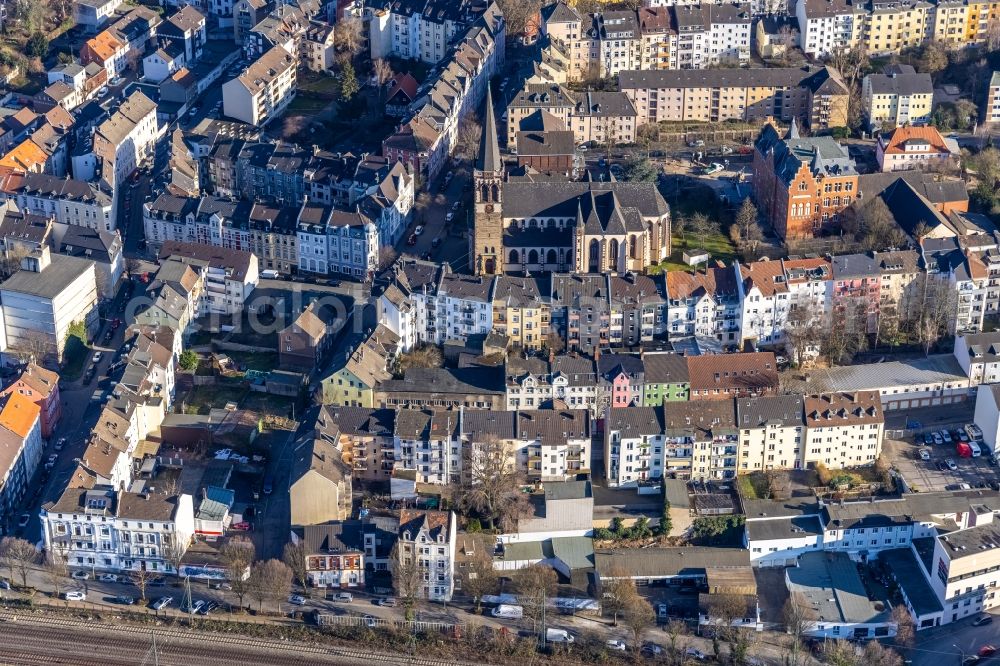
<point x="910" y="576"/>
<point x="52" y="281"/>
<point x="829" y="584"/>
<point x="935" y="369"/>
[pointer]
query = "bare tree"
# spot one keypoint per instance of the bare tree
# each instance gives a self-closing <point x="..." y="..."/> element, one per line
<point x="675" y="630"/>
<point x="478" y="577"/>
<point x="701" y="226"/>
<point x="618" y="592"/>
<point x="876" y="654"/>
<point x="387" y="256"/>
<point x="905" y="628"/>
<point x="269" y="581"/>
<point x="799" y="618"/>
<point x="18" y="555"/>
<point x="294" y="556"/>
<point x="492" y="482"/>
<point x="347" y="37"/>
<point x="407" y="575"/>
<point x="56" y="569"/>
<point x="803" y="331"/>
<point x="554" y="342"/>
<point x="746" y="226"/>
<point x="32" y="347"/>
<point x="140" y="578"/>
<point x="535" y="585"/>
<point x="173" y="553"/>
<point x="638" y="616"/>
<point x="726" y="610"/>
<point x="519" y="14"/>
<point x="237" y="555"/>
<point x="469" y="134"/>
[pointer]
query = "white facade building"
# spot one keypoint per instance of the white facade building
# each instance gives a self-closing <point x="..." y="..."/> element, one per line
<point x="112" y="531"/>
<point x="263" y="91"/>
<point x="428" y="538"/>
<point x="68" y="201"/>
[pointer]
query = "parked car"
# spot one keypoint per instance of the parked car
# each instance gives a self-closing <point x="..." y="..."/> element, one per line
<point x="75" y="595"/>
<point x="553" y="635"/>
<point x="946" y="436"/>
<point x="80" y="575"/>
<point x="343" y="597"/>
<point x="60" y="444"/>
<point x="695" y="653"/>
<point x="221" y="586"/>
<point x="108" y="578"/>
<point x="925" y="454"/>
<point x="661" y="611"/>
<point x="951" y="464"/>
<point x="936" y="436"/>
<point x="651" y="649"/>
<point x="449" y="217"/>
<point x="412" y="239"/>
<point x="509" y="611"/>
<point x="4" y="584"/>
<point x="696" y="144"/>
<point x="370" y="621"/>
<point x="161" y="603"/>
<point x="388" y="602"/>
<point x="983" y="620"/>
<point x="975" y="432"/>
<point x="971" y="659"/>
<point x="297" y="600"/>
<point x="124" y="600"/>
<point x="418" y="230"/>
<point x="156" y="582"/>
<point x="928" y="440"/>
<point x="196" y="606"/>
<point x="616" y="644"/>
<point x="987" y="650"/>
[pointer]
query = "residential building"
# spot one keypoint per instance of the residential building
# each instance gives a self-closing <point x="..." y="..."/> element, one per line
<point x="334" y="553"/>
<point x="908" y="148"/>
<point x="979" y="356"/>
<point x="550" y="445"/>
<point x="41" y="387"/>
<point x="263" y="91"/>
<point x="829" y="26"/>
<point x="892" y="26"/>
<point x="843" y="429"/>
<point x="185" y="27"/>
<point x="534" y="382"/>
<point x="898" y="97"/>
<point x="443" y="388"/>
<point x="320" y="483"/>
<point x="427" y="539"/>
<point x="353" y="384"/>
<point x="727" y="376"/>
<point x="176" y="292"/>
<point x="417" y="30"/>
<point x="776" y="35"/>
<point x="802" y="185"/>
<point x="107" y="51"/>
<point x="771" y="433"/>
<point x="519" y="313"/>
<point x="991" y="109"/>
<point x="960" y="568"/>
<point x="596" y="117"/>
<point x="92" y="14"/>
<point x="710" y="34"/>
<point x="817" y="98"/>
<point x="21" y="449"/>
<point x="304" y="345"/>
<point x="857" y="292"/>
<point x="337" y="241"/>
<point x="113" y="531"/>
<point x="41" y="301"/>
<point x="365" y="436"/>
<point x="987" y="415"/>
<point x="318" y="46"/>
<point x="123" y="141"/>
<point x="704" y="305"/>
<point x="231" y="275"/>
<point x="665" y="377"/>
<point x="638" y="309"/>
<point x="765" y="301"/>
<point x="104" y="248"/>
<point x="635" y="440"/>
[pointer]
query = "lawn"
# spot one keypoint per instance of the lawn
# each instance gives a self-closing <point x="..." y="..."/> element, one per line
<point x="719" y="246"/>
<point x="302" y="106"/>
<point x="203" y="399"/>
<point x="275" y="405"/>
<point x="320" y="84"/>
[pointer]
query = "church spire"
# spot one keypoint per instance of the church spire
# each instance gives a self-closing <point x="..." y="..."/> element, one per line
<point x="793" y="130"/>
<point x="489" y="148"/>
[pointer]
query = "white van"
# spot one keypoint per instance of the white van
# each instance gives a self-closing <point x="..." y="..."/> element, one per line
<point x="558" y="636"/>
<point x="508" y="611"/>
<point x="270" y="274"/>
<point x="976" y="451"/>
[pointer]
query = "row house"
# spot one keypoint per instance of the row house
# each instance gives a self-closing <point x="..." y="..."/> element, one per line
<point x="427" y="541"/>
<point x="682" y="36"/>
<point x="336" y="241"/>
<point x="727" y="376"/>
<point x="547" y="444"/>
<point x="416" y="29"/>
<point x="66" y="200"/>
<point x="231" y="276"/>
<point x="581" y="310"/>
<point x="704" y="305"/>
<point x="534" y="382"/>
<point x="892" y="26"/>
<point x="113" y="531"/>
<point x="857" y="292"/>
<point x="593" y="117"/>
<point x="816" y="97"/>
<point x="40" y="386"/>
<point x="802" y="185"/>
<point x="622" y="379"/>
<point x="176" y="294"/>
<point x="427" y="443"/>
<point x="21" y="434"/>
<point x="519" y="313"/>
<point x="334" y="554"/>
<point x="425" y="139"/>
<point x="121" y="143"/>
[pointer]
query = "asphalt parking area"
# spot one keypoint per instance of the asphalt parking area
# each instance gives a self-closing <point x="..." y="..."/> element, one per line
<point x="931" y="475"/>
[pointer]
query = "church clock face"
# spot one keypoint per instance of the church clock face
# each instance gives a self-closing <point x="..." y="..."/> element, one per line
<point x="489" y="208"/>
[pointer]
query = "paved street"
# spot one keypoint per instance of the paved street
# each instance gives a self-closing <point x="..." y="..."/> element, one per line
<point x="948" y="645"/>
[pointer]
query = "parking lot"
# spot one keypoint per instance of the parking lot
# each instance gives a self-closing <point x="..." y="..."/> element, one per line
<point x="935" y="473"/>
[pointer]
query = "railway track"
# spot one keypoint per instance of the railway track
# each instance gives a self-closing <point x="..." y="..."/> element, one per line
<point x="36" y="639"/>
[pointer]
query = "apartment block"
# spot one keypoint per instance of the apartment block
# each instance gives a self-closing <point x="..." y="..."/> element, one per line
<point x="593" y="117"/>
<point x="829" y="26"/>
<point x="843" y="429"/>
<point x="991" y="110"/>
<point x="263" y="91"/>
<point x="901" y="96"/>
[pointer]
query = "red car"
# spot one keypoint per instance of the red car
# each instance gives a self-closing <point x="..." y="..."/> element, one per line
<point x="987" y="650"/>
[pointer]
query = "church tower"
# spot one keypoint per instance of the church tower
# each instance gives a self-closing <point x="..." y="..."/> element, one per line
<point x="486" y="241"/>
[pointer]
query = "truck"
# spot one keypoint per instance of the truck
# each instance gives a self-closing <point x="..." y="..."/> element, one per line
<point x="270" y="274"/>
<point x="508" y="611"/>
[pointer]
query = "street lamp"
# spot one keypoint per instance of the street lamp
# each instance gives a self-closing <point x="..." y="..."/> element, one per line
<point x="961" y="653"/>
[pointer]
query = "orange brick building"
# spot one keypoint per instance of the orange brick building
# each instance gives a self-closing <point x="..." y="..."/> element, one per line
<point x="802" y="184"/>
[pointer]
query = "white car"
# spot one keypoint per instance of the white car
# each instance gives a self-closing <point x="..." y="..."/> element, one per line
<point x="81" y="575"/>
<point x="616" y="644"/>
<point x="951" y="464"/>
<point x="98" y="355"/>
<point x="449" y="217"/>
<point x="695" y="653"/>
<point x="196" y="606"/>
<point x="162" y="603"/>
<point x="108" y="578"/>
<point x="75" y="595"/>
<point x="343" y="597"/>
<point x="419" y="230"/>
<point x="925" y="454"/>
<point x="297" y="600"/>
